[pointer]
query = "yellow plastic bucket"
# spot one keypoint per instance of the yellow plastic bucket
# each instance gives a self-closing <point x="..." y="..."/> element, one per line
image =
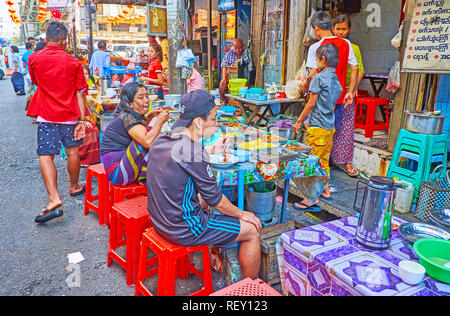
<point x="234" y="85"/>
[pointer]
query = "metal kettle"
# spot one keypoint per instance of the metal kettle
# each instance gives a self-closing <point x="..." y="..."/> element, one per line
<point x="374" y="229"/>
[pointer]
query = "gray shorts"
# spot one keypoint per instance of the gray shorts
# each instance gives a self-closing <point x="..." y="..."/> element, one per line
<point x="221" y="231"/>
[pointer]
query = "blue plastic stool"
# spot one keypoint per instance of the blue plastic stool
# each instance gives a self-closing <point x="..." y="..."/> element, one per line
<point x="63" y="152"/>
<point x="416" y="156"/>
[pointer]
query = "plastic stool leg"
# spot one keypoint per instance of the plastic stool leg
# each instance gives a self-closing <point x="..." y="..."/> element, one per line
<point x="166" y="275"/>
<point x="88" y="194"/>
<point x="140" y="288"/>
<point x="182" y="267"/>
<point x="370" y="121"/>
<point x="131" y="245"/>
<point x="112" y="237"/>
<point x="207" y="275"/>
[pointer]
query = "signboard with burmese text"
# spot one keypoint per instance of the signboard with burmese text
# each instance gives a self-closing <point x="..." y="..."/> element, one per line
<point x="427" y="49"/>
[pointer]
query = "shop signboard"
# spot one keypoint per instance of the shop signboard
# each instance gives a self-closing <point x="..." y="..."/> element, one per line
<point x="226" y="5"/>
<point x="427" y="48"/>
<point x="157" y="16"/>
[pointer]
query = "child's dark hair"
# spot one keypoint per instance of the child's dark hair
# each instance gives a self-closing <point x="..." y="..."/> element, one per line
<point x="343" y="18"/>
<point x="90" y="74"/>
<point x="158" y="50"/>
<point x="330" y="52"/>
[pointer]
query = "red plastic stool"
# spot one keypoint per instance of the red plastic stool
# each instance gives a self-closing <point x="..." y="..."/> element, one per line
<point x="363" y="93"/>
<point x="172" y="260"/>
<point x="129" y="219"/>
<point x="248" y="287"/>
<point x="102" y="208"/>
<point x="119" y="194"/>
<point x="368" y="123"/>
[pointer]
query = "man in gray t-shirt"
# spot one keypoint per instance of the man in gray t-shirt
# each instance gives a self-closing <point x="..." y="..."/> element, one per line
<point x="181" y="186"/>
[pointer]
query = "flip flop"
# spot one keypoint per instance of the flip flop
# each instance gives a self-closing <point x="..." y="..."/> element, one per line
<point x="326" y="198"/>
<point x="48" y="215"/>
<point x="348" y="172"/>
<point x="83" y="185"/>
<point x="311" y="208"/>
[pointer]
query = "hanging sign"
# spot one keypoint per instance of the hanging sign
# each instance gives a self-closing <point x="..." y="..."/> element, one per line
<point x="226" y="5"/>
<point x="427" y="48"/>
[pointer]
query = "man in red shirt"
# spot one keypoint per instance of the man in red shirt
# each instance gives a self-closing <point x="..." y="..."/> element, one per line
<point x="59" y="108"/>
<point x="321" y="24"/>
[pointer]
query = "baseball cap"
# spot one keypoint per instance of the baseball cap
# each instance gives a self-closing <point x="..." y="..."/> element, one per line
<point x="194" y="104"/>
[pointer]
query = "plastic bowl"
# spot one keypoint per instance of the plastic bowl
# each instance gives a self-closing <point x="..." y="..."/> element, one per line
<point x="434" y="255"/>
<point x="411" y="272"/>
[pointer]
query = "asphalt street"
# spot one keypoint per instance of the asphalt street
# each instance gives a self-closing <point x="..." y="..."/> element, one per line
<point x="34" y="258"/>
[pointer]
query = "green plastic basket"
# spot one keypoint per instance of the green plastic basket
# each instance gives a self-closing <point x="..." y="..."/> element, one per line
<point x="433" y="253"/>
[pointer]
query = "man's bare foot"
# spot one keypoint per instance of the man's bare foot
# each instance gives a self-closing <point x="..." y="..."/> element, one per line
<point x="77" y="189"/>
<point x="51" y="206"/>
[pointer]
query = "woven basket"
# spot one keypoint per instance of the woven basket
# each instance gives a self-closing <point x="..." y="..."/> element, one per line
<point x="433" y="194"/>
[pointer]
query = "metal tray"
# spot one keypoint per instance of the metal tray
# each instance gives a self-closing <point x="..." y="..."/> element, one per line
<point x="304" y="150"/>
<point x="441" y="216"/>
<point x="274" y="155"/>
<point x="416" y="231"/>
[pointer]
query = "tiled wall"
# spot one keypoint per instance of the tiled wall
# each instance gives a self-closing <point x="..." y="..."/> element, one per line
<point x="375" y="42"/>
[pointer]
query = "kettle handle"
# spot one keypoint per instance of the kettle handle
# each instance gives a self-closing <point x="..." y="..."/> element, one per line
<point x="356" y="195"/>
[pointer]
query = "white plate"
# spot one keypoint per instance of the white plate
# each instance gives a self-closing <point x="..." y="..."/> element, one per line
<point x="217" y="160"/>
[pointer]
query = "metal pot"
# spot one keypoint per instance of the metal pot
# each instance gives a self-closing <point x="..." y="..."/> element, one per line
<point x="151" y="89"/>
<point x="261" y="200"/>
<point x="287" y="133"/>
<point x="271" y="95"/>
<point x="105" y="119"/>
<point x="424" y="122"/>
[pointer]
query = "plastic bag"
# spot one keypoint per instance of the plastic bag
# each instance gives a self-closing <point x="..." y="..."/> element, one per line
<point x="302" y="74"/>
<point x="292" y="89"/>
<point x="394" y="78"/>
<point x="397" y="39"/>
<point x="184" y="58"/>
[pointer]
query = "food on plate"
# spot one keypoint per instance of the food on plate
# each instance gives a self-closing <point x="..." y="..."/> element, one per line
<point x="295" y="147"/>
<point x="274" y="138"/>
<point x="256" y="144"/>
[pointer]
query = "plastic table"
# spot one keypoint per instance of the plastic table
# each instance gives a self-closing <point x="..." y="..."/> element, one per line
<point x="111" y="70"/>
<point x="326" y="260"/>
<point x="254" y="172"/>
<point x="380" y="79"/>
<point x="257" y="110"/>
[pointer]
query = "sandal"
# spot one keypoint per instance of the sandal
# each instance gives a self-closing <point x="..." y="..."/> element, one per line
<point x="311" y="208"/>
<point x="83" y="189"/>
<point x="48" y="215"/>
<point x="351" y="173"/>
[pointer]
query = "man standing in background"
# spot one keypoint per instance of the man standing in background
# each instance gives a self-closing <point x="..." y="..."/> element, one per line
<point x="99" y="59"/>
